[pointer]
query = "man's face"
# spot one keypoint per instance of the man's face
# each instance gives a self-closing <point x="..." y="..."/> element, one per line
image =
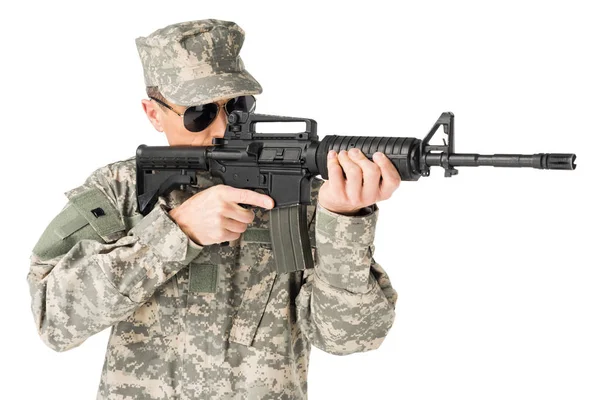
<point x="167" y="121"/>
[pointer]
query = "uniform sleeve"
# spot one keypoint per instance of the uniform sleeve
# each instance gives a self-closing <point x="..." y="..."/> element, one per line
<point x="346" y="303"/>
<point x="81" y="283"/>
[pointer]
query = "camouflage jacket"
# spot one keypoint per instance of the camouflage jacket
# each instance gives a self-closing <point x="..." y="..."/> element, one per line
<point x="202" y="322"/>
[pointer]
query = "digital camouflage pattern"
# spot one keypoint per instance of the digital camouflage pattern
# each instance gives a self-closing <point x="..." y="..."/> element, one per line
<point x="196" y="62"/>
<point x="201" y="322"/>
<point x="248" y="338"/>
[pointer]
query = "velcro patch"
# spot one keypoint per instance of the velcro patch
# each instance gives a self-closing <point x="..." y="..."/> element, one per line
<point x="203" y="278"/>
<point x="95" y="207"/>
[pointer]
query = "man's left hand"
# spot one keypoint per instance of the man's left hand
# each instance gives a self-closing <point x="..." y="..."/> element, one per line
<point x="366" y="182"/>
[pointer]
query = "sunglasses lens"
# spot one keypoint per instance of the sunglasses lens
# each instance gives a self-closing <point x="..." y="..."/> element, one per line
<point x="198" y="118"/>
<point x="241" y="103"/>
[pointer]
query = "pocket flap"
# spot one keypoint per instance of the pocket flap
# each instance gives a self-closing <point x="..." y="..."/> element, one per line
<point x="250" y="312"/>
<point x="96" y="208"/>
<point x="63" y="232"/>
<point x="73" y="225"/>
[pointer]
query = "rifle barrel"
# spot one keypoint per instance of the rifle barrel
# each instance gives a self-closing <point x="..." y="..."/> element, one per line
<point x="539" y="160"/>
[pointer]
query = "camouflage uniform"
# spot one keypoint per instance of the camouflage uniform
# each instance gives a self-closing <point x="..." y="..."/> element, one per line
<point x="202" y="322"/>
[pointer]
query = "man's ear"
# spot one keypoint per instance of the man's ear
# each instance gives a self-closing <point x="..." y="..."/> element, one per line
<point x="152" y="112"/>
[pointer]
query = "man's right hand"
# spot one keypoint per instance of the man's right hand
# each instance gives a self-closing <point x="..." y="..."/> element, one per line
<point x="214" y="215"/>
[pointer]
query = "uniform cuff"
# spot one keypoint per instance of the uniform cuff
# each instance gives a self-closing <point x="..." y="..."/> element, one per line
<point x="358" y="228"/>
<point x="158" y="231"/>
<point x="344" y="248"/>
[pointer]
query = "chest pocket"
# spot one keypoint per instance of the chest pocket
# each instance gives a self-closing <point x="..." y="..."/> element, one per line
<point x="256" y="254"/>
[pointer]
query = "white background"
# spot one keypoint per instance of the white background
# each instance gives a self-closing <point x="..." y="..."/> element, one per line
<point x="496" y="269"/>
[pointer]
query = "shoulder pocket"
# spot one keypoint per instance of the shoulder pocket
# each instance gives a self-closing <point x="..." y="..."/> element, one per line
<point x="97" y="209"/>
<point x="89" y="215"/>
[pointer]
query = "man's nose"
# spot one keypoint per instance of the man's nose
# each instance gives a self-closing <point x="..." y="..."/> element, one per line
<point x="218" y="127"/>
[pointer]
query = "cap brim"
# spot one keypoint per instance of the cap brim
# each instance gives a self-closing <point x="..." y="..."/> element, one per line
<point x="211" y="88"/>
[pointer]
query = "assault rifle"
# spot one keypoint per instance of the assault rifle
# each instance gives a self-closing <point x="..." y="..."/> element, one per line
<point x="281" y="165"/>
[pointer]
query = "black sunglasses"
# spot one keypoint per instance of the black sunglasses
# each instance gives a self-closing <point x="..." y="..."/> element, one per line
<point x="198" y="118"/>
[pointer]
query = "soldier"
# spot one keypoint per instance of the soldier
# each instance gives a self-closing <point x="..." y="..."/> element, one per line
<point x="196" y="308"/>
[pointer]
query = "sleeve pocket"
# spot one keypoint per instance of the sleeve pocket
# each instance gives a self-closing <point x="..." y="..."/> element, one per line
<point x="65" y="230"/>
<point x="97" y="209"/>
<point x="88" y="215"/>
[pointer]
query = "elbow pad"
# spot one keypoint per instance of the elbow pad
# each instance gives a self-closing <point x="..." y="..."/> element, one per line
<point x="89" y="215"/>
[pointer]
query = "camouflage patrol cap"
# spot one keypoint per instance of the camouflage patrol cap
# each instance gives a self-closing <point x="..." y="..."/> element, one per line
<point x="196" y="62"/>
